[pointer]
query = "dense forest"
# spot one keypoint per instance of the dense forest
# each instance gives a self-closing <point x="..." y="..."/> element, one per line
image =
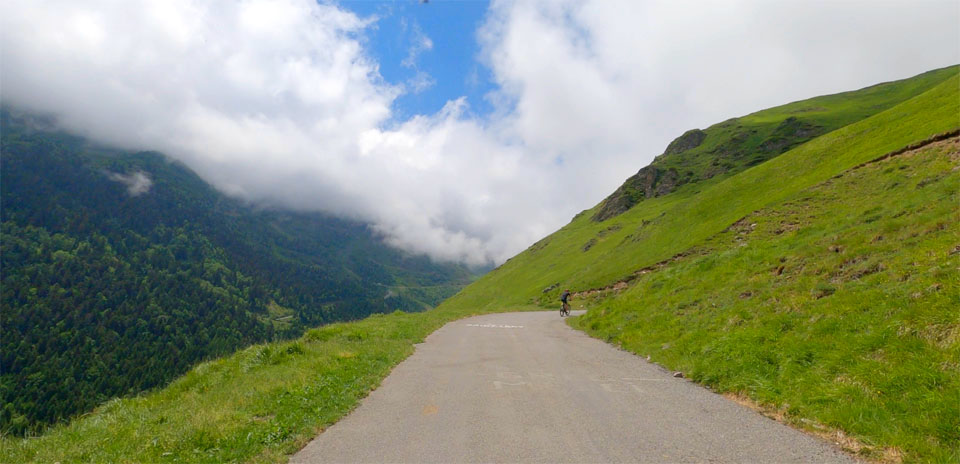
<point x="121" y="270"/>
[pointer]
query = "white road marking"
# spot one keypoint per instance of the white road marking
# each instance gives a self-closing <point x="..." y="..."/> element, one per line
<point x="541" y="375"/>
<point x="496" y="326"/>
<point x="609" y="387"/>
<point x="499" y="385"/>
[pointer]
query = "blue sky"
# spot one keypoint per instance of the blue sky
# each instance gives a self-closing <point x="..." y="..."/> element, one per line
<point x="451" y="63"/>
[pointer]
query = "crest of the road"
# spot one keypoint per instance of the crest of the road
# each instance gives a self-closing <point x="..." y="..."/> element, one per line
<point x="524" y="387"/>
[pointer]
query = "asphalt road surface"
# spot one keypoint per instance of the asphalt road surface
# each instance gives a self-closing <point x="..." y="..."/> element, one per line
<point x="524" y="387"/>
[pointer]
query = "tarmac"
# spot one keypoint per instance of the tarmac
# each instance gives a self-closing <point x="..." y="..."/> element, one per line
<point x="525" y="387"/>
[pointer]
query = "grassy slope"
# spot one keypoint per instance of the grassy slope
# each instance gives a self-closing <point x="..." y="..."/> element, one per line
<point x="838" y="306"/>
<point x="659" y="228"/>
<point x="825" y="114"/>
<point x="265" y="402"/>
<point x="738" y="143"/>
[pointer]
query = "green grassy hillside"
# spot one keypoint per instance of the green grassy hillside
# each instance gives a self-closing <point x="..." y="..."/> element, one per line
<point x="839" y="305"/>
<point x="731" y="146"/>
<point x="659" y="228"/>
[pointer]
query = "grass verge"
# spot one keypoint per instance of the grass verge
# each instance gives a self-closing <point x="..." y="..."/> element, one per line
<point x="260" y="404"/>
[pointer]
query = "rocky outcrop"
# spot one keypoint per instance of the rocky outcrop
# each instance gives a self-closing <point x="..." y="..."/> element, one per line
<point x="667" y="182"/>
<point x="689" y="140"/>
<point x="649" y="182"/>
<point x="590" y="243"/>
<point x="790" y="133"/>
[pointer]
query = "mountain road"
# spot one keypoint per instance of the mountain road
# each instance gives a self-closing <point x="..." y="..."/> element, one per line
<point x="525" y="387"/>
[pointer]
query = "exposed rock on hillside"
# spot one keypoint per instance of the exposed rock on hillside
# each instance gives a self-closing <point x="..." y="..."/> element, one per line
<point x="649" y="182"/>
<point x="689" y="140"/>
<point x="789" y="133"/>
<point x="738" y="149"/>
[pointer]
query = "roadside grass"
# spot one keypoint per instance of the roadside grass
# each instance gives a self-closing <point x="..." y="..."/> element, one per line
<point x="260" y="404"/>
<point x="837" y="306"/>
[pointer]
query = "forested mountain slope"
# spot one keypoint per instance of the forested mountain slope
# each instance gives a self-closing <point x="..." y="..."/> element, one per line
<point x="120" y="271"/>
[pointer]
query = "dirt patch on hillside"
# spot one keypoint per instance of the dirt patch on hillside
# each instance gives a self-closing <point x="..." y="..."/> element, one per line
<point x="624" y="283"/>
<point x="946" y="139"/>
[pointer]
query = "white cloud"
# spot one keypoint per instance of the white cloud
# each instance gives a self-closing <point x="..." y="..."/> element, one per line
<point x="421" y="80"/>
<point x="280" y="101"/>
<point x="137" y="182"/>
<point x="615" y="77"/>
<point x="419" y="44"/>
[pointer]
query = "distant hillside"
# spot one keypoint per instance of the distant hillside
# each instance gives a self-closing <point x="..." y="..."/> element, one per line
<point x="731" y="146"/>
<point x="121" y="270"/>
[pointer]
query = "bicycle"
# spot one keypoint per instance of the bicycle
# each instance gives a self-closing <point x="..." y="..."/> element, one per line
<point x="564" y="309"/>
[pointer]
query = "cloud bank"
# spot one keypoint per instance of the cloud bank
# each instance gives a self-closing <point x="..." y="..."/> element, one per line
<point x="279" y="102"/>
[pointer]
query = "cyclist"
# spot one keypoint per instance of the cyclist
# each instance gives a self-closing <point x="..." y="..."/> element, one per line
<point x="565" y="306"/>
